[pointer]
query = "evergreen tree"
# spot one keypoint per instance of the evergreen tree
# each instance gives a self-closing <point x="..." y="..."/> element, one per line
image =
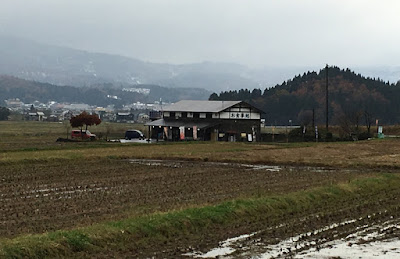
<point x="348" y="91"/>
<point x="4" y="113"/>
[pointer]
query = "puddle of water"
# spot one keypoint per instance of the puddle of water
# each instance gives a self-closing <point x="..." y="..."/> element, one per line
<point x="153" y="162"/>
<point x="173" y="163"/>
<point x="270" y="168"/>
<point x="224" y="249"/>
<point x="360" y="244"/>
<point x="345" y="249"/>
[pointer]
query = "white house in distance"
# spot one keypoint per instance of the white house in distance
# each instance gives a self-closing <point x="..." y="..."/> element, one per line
<point x="208" y="120"/>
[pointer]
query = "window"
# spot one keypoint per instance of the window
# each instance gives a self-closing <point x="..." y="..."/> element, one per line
<point x="202" y="115"/>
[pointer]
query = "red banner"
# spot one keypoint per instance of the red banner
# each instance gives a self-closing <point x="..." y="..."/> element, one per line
<point x="182" y="133"/>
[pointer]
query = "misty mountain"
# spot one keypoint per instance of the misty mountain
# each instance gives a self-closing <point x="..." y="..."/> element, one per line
<point x="65" y="66"/>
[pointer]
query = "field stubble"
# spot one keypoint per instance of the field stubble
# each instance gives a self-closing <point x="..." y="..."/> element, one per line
<point x="41" y="197"/>
<point x="46" y="186"/>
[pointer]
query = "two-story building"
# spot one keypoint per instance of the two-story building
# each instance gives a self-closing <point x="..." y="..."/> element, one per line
<point x="208" y="120"/>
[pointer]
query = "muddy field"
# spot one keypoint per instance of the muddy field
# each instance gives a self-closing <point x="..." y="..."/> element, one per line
<point x="64" y="186"/>
<point x="39" y="197"/>
<point x="329" y="233"/>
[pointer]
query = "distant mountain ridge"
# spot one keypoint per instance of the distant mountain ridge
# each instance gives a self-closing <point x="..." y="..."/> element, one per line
<point x="69" y="67"/>
<point x="64" y="66"/>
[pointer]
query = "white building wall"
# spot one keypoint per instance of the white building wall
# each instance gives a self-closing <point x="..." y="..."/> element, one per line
<point x="242" y="115"/>
<point x="224" y="115"/>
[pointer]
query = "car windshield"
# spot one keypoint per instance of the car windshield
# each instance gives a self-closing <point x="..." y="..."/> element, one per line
<point x="88" y="132"/>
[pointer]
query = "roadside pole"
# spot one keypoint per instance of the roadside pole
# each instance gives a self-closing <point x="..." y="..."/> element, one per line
<point x="273" y="133"/>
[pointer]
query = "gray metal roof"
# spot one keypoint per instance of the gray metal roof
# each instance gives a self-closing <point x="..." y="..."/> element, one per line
<point x="200" y="106"/>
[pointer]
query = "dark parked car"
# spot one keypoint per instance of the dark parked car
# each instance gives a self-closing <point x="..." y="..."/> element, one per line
<point x="134" y="134"/>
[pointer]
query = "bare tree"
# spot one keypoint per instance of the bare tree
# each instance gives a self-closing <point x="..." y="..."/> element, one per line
<point x="368" y="120"/>
<point x="109" y="129"/>
<point x="356" y="117"/>
<point x="67" y="127"/>
<point x="305" y="117"/>
<point x="349" y="122"/>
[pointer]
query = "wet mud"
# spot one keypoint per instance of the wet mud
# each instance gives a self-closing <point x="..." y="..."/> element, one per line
<point x="41" y="197"/>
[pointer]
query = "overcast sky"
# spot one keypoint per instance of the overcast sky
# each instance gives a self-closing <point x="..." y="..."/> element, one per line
<point x="254" y="33"/>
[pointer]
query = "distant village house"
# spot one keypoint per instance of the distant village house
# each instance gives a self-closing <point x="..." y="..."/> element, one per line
<point x="35" y="116"/>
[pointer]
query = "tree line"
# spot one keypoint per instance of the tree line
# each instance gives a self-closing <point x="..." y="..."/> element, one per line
<point x="100" y="94"/>
<point x="4" y="113"/>
<point x="353" y="99"/>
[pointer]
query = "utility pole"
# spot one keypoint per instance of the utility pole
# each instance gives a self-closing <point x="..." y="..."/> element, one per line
<point x="313" y="118"/>
<point x="326" y="71"/>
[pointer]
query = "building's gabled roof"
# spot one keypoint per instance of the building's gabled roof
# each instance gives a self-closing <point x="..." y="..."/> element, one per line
<point x="204" y="106"/>
<point x="200" y="106"/>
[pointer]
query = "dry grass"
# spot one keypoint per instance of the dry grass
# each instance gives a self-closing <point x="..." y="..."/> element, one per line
<point x="376" y="153"/>
<point x="19" y="135"/>
<point x="34" y="141"/>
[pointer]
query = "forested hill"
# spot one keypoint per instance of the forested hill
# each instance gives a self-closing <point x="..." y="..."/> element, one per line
<point x="100" y="95"/>
<point x="353" y="98"/>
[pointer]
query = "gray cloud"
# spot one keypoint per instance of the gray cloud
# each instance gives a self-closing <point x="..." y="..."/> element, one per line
<point x="252" y="32"/>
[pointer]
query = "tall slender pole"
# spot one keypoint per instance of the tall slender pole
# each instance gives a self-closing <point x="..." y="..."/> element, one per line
<point x="326" y="70"/>
<point x="313" y="118"/>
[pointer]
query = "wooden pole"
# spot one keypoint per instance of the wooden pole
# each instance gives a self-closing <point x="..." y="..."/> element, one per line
<point x="327" y="119"/>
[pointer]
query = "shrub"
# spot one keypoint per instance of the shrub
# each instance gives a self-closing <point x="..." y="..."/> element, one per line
<point x="364" y="135"/>
<point x="329" y="136"/>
